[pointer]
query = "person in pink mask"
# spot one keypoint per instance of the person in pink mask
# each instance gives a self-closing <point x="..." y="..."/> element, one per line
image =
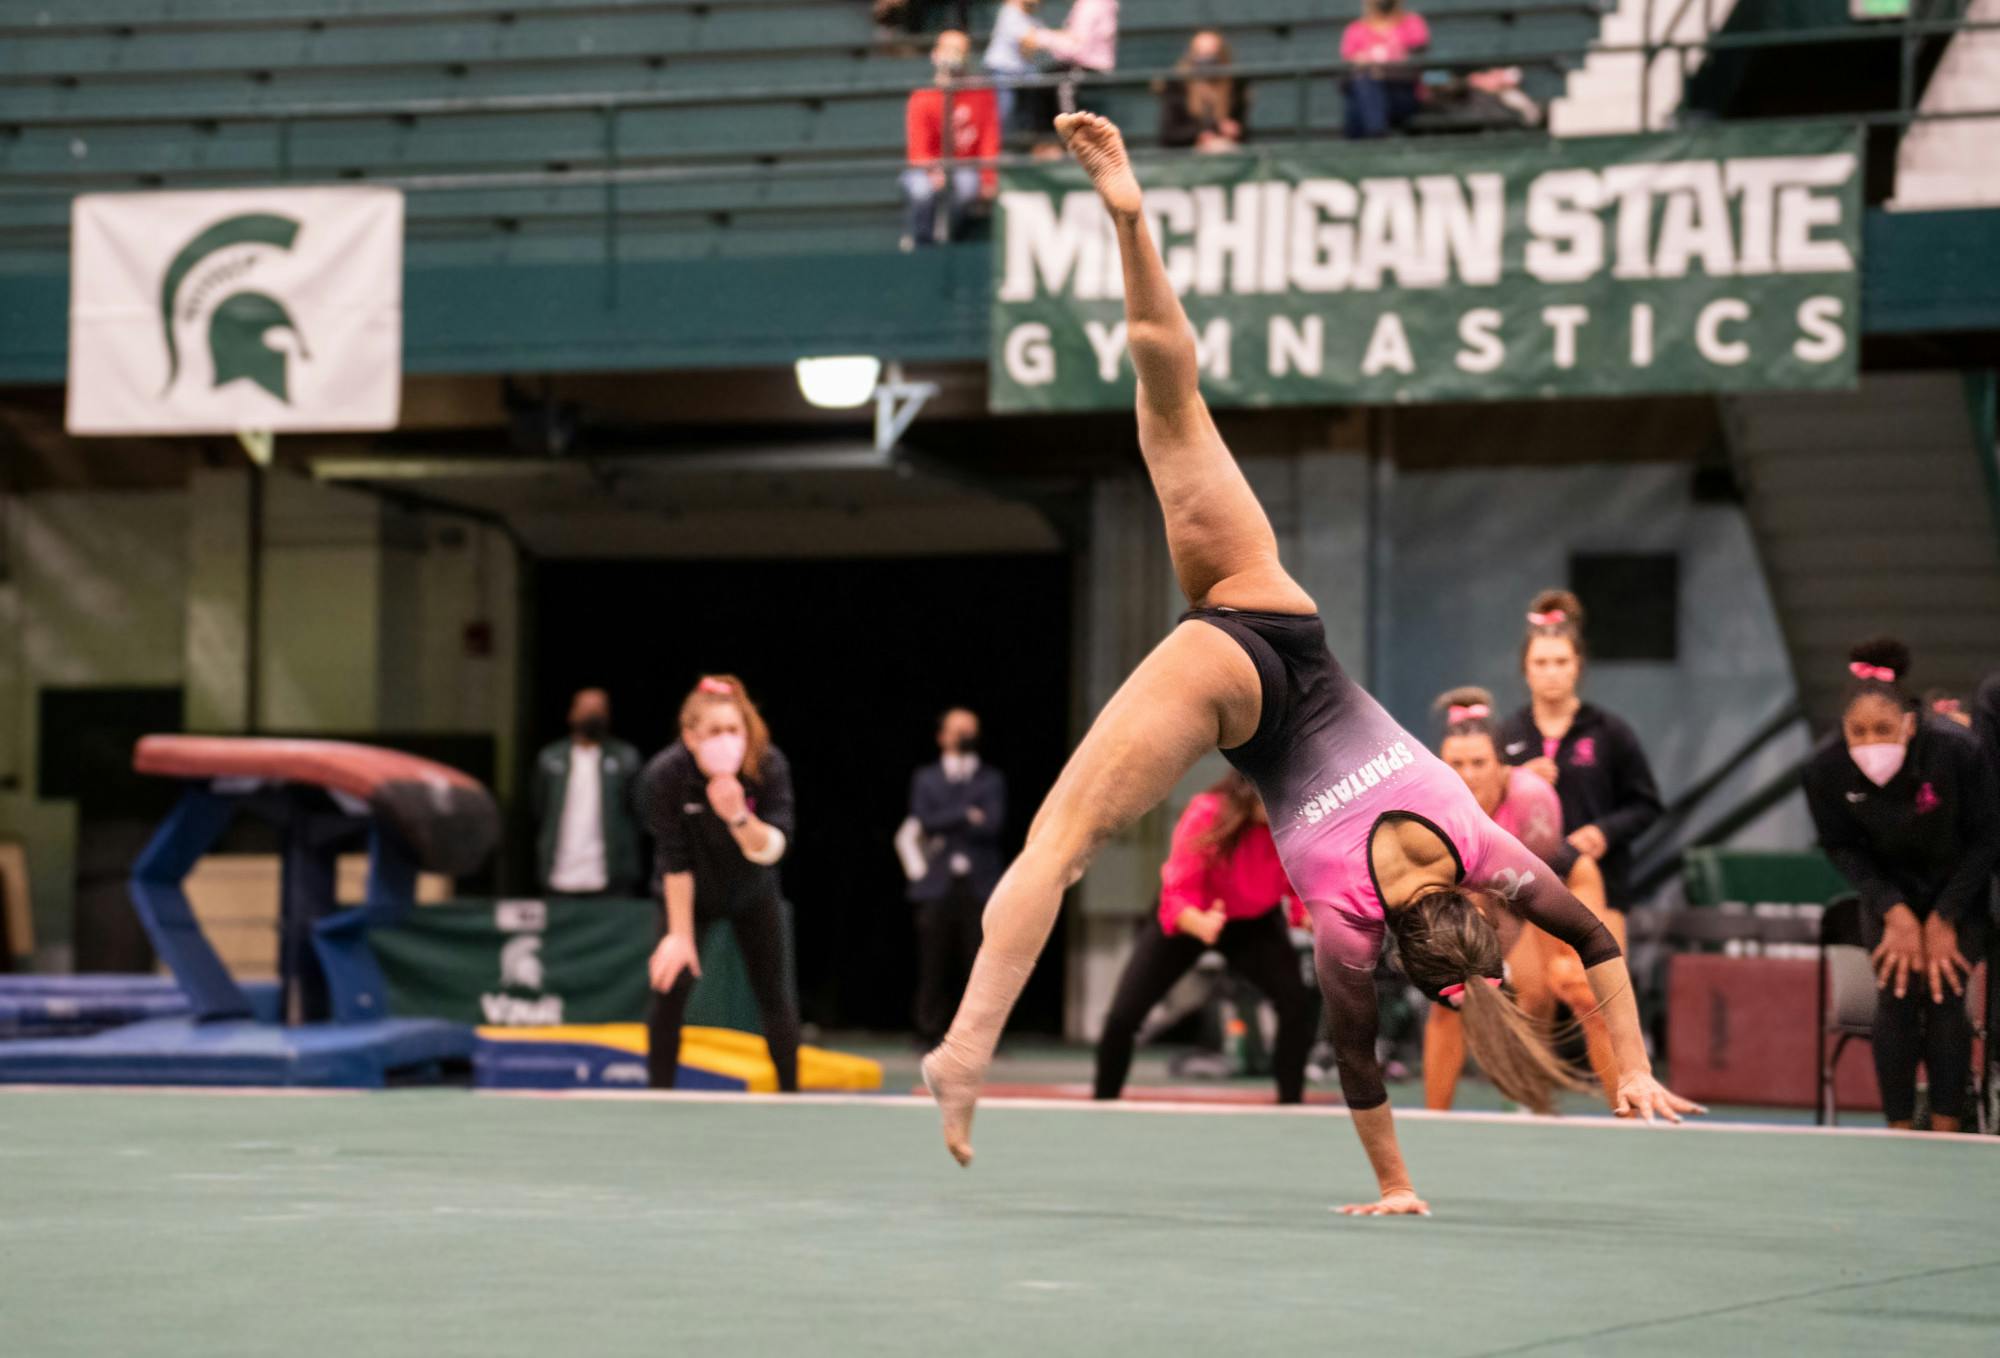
<point x="718" y="803"/>
<point x="1906" y="807"/>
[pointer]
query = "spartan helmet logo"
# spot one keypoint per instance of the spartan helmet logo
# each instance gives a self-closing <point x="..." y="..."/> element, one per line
<point x="241" y="322"/>
<point x="521" y="962"/>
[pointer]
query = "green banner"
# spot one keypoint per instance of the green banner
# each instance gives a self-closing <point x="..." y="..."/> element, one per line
<point x="531" y="963"/>
<point x="1723" y="259"/>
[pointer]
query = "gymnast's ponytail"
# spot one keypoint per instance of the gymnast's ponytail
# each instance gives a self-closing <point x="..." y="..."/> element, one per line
<point x="1451" y="952"/>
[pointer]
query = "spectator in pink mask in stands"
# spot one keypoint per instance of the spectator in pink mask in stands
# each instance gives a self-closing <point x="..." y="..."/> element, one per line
<point x="718" y="803"/>
<point x="1381" y="85"/>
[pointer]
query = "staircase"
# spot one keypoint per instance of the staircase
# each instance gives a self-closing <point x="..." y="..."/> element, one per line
<point x="1603" y="96"/>
<point x="1873" y="513"/>
<point x="1949" y="164"/>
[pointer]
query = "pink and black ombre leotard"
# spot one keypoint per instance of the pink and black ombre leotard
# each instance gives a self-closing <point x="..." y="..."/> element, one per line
<point x="1331" y="765"/>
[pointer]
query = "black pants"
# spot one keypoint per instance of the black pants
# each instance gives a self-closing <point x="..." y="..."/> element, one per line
<point x="948" y="934"/>
<point x="1913" y="1031"/>
<point x="760" y="937"/>
<point x="1259" y="949"/>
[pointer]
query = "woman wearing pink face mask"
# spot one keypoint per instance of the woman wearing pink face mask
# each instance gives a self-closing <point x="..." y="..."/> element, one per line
<point x="719" y="805"/>
<point x="1906" y="808"/>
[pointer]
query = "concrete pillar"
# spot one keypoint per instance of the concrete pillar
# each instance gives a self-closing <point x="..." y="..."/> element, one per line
<point x="217" y="644"/>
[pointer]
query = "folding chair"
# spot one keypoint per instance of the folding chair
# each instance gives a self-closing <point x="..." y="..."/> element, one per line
<point x="1846" y="996"/>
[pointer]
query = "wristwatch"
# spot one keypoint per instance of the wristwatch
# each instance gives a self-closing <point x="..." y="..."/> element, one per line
<point x="740" y="821"/>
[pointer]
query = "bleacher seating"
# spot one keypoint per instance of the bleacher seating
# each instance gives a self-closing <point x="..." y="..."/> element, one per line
<point x="737" y="125"/>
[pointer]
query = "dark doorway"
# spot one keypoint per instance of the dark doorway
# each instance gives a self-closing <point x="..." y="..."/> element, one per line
<point x="851" y="662"/>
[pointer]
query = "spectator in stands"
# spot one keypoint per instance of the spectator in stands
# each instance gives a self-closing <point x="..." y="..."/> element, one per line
<point x="911" y="15"/>
<point x="1203" y="106"/>
<point x="1908" y="809"/>
<point x="1028" y="111"/>
<point x="586" y="822"/>
<point x="1600" y="774"/>
<point x="719" y="804"/>
<point x="1222" y="887"/>
<point x="960" y="805"/>
<point x="1381" y="85"/>
<point x="961" y="180"/>
<point x="1490" y="100"/>
<point x="1087" y="43"/>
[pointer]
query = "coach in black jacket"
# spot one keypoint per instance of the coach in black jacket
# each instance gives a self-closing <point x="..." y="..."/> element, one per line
<point x="961" y="805"/>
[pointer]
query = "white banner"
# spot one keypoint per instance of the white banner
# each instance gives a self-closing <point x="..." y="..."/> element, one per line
<point x="239" y="309"/>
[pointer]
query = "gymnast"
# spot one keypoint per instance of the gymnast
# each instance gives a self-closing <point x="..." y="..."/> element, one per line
<point x="1377" y="834"/>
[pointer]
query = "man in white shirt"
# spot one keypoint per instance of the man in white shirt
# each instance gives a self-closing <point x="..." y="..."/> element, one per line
<point x="587" y="832"/>
<point x="961" y="806"/>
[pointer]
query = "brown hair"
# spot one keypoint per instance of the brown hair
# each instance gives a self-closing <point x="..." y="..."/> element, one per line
<point x="1208" y="97"/>
<point x="727" y="688"/>
<point x="1468" y="723"/>
<point x="1445" y="940"/>
<point x="1238" y="796"/>
<point x="1555" y="613"/>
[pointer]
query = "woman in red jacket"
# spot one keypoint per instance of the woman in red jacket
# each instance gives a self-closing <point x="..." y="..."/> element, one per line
<point x="1222" y="888"/>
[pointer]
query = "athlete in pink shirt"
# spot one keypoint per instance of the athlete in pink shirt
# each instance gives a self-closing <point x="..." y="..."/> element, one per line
<point x="1222" y="887"/>
<point x="1372" y="829"/>
<point x="1542" y="970"/>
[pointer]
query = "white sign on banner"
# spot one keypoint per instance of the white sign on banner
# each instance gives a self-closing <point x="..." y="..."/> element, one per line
<point x="207" y="313"/>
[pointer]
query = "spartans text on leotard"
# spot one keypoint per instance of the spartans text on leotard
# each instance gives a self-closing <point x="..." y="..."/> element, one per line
<point x="1357" y="782"/>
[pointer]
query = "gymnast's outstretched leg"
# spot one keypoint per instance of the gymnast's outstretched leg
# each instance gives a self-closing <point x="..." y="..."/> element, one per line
<point x="1198" y="690"/>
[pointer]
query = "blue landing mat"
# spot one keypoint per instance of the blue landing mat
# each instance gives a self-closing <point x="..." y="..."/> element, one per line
<point x="577" y="1065"/>
<point x="67" y="1006"/>
<point x="179" y="1051"/>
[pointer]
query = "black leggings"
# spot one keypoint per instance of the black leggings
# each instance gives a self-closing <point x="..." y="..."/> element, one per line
<point x="1260" y="949"/>
<point x="1913" y="1031"/>
<point x="760" y="938"/>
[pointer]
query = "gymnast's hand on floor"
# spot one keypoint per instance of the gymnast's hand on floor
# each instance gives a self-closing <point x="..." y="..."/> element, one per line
<point x="1399" y="1202"/>
<point x="1641" y="1096"/>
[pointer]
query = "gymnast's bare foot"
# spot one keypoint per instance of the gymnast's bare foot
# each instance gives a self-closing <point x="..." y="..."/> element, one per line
<point x="1098" y="147"/>
<point x="955" y="1085"/>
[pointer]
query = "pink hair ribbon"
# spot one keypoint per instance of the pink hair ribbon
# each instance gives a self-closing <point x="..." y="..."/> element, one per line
<point x="1452" y="994"/>
<point x="1457" y="713"/>
<point x="717" y="686"/>
<point x="1555" y="617"/>
<point x="1861" y="669"/>
<point x="1947" y="707"/>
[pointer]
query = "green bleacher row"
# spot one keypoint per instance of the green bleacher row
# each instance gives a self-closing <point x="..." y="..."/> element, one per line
<point x="833" y="98"/>
<point x="659" y="31"/>
<point x="737" y="79"/>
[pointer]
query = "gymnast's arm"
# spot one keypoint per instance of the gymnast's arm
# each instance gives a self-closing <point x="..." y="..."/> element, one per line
<point x="1347" y="979"/>
<point x="1546" y="903"/>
